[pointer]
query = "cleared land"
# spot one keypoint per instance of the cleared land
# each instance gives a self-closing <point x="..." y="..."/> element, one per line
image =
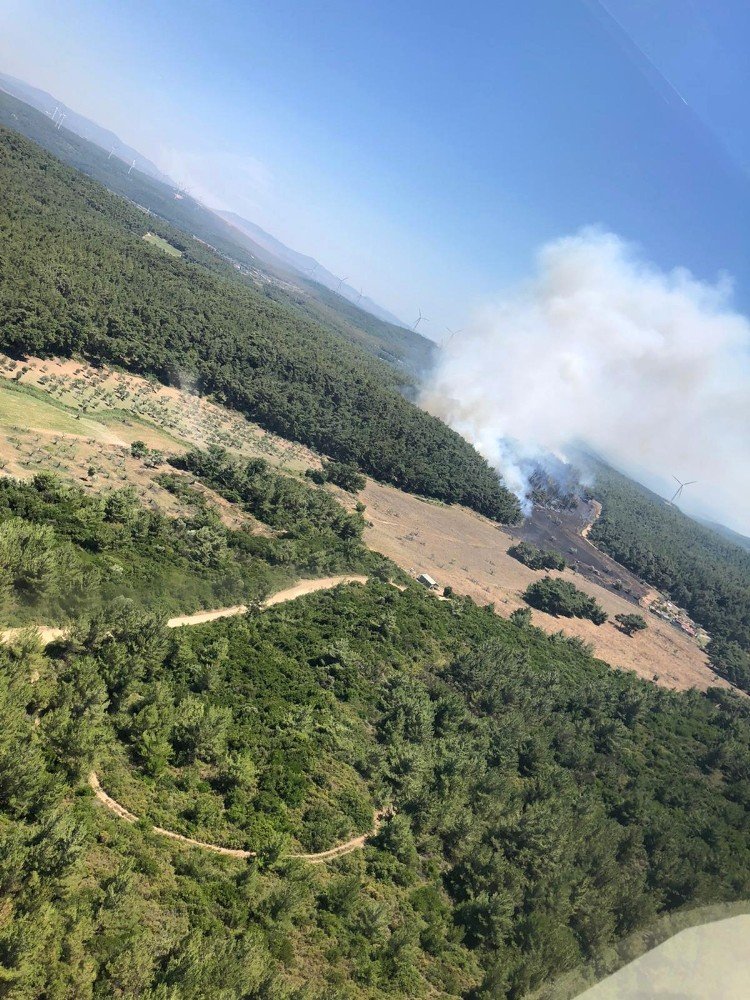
<point x="162" y="244"/>
<point x="463" y="550"/>
<point x="78" y="421"/>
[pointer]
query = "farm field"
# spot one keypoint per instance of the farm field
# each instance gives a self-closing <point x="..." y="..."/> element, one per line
<point x="79" y="422"/>
<point x="162" y="244"/>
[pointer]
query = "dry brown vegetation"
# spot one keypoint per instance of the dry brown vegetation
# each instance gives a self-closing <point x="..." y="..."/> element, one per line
<point x="466" y="551"/>
<point x="83" y="426"/>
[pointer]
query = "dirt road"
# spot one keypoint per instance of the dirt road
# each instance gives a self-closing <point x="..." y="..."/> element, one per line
<point x="280" y="597"/>
<point x="354" y="844"/>
<point x="48" y="633"/>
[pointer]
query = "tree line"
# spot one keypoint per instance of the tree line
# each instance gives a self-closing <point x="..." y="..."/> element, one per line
<point x="702" y="571"/>
<point x="77" y="277"/>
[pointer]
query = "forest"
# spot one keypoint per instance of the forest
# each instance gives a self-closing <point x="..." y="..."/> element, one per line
<point x="410" y="353"/>
<point x="77" y="277"/>
<point x="543" y="805"/>
<point x="699" y="569"/>
<point x="64" y="553"/>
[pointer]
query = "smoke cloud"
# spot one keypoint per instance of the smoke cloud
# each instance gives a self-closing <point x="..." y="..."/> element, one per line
<point x="649" y="369"/>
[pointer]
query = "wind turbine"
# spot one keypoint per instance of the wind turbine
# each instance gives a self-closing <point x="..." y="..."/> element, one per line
<point x="341" y="282"/>
<point x="681" y="486"/>
<point x="419" y="320"/>
<point x="110" y="153"/>
<point x="359" y="295"/>
<point x="449" y="338"/>
<point x="130" y="168"/>
<point x="63" y="116"/>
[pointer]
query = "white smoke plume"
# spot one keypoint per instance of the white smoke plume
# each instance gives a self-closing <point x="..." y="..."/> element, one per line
<point x="649" y="369"/>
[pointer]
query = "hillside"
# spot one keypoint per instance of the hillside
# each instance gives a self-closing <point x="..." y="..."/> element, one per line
<point x="80" y="125"/>
<point x="249" y="263"/>
<point x="307" y="265"/>
<point x="700" y="569"/>
<point x="243" y="752"/>
<point x="77" y="276"/>
<point x="505" y="754"/>
<point x="492" y="755"/>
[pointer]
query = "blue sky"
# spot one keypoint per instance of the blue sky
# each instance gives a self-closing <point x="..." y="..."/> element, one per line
<point x="426" y="150"/>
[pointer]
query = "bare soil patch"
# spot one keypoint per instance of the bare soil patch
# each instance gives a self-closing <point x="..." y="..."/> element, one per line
<point x="468" y="552"/>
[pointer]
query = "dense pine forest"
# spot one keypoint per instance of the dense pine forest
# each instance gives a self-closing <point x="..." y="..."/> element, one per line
<point x="702" y="571"/>
<point x="408" y="351"/>
<point x="77" y="277"/>
<point x="542" y="805"/>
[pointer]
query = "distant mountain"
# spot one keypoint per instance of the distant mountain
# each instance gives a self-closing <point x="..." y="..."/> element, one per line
<point x="406" y="350"/>
<point x="307" y="266"/>
<point x="80" y="125"/>
<point x="731" y="536"/>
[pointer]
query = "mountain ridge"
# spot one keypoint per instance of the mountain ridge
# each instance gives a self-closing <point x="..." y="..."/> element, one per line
<point x="308" y="266"/>
<point x="81" y="125"/>
<point x="280" y="254"/>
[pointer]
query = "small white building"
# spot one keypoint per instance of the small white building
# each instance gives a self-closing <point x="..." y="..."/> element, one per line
<point x="426" y="580"/>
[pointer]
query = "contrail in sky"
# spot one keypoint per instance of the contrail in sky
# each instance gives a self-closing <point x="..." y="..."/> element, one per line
<point x="633" y="50"/>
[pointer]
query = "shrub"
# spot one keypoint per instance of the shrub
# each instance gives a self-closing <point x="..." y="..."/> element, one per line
<point x="536" y="558"/>
<point x="559" y="597"/>
<point x="631" y="623"/>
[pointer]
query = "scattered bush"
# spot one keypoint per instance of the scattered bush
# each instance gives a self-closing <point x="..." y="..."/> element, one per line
<point x="631" y="623"/>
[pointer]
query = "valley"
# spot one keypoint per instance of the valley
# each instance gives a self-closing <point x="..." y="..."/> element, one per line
<point x="467" y="552"/>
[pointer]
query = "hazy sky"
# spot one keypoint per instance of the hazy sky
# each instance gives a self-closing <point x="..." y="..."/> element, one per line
<point x="428" y="151"/>
<point x="425" y="150"/>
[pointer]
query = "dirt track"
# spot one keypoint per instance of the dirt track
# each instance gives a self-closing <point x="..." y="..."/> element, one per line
<point x="280" y="597"/>
<point x="48" y="633"/>
<point x="354" y="844"/>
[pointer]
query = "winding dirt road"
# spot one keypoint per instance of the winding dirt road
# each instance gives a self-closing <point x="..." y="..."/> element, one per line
<point x="354" y="844"/>
<point x="48" y="634"/>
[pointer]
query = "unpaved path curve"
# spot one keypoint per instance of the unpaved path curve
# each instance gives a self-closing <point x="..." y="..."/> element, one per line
<point x="316" y="859"/>
<point x="48" y="633"/>
<point x="280" y="597"/>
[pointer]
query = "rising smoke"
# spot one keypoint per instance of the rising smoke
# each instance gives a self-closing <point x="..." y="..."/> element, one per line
<point x="649" y="369"/>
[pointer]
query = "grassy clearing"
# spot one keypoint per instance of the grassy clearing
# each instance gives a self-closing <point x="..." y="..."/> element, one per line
<point x="21" y="408"/>
<point x="157" y="241"/>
